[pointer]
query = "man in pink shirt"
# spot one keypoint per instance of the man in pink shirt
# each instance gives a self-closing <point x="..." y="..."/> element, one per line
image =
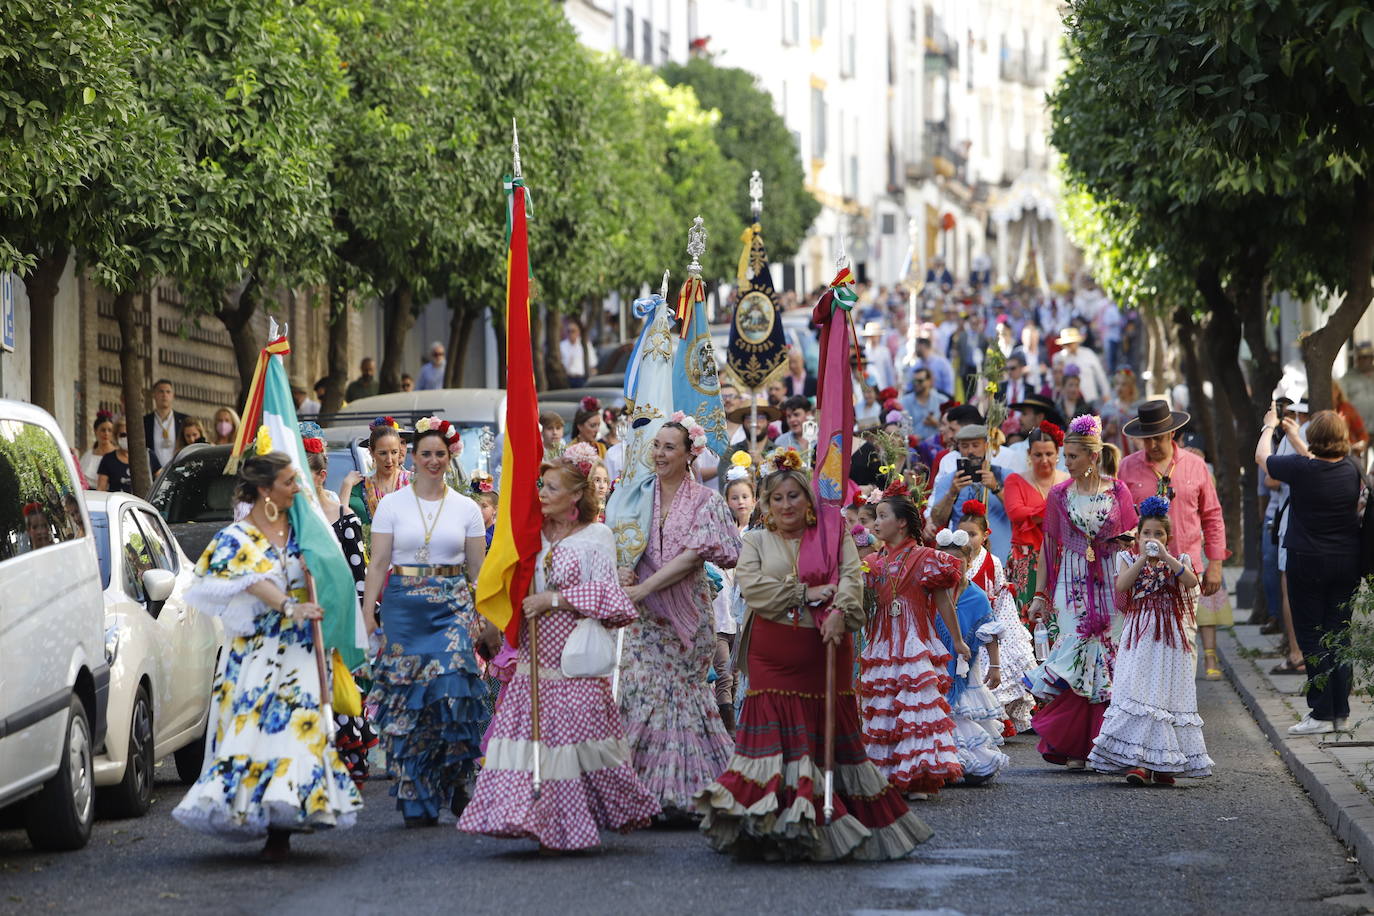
<point x="1164" y="468"/>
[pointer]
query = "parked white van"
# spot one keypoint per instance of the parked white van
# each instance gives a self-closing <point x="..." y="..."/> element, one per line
<point x="54" y="677"/>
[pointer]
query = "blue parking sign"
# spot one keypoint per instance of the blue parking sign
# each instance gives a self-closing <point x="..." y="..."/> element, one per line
<point x="7" y="311"/>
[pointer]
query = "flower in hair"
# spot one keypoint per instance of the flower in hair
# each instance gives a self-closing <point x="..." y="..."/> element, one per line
<point x="887" y="394"/>
<point x="861" y="536"/>
<point x="912" y="441"/>
<point x="102" y="415"/>
<point x="1086" y="425"/>
<point x="1154" y="507"/>
<point x="893" y="416"/>
<point x="741" y="459"/>
<point x="737" y="473"/>
<point x="973" y="507"/>
<point x="590" y="403"/>
<point x="782" y="459"/>
<point x="263" y="443"/>
<point x="313" y="445"/>
<point x="897" y="487"/>
<point x="385" y="422"/>
<point x="31" y="509"/>
<point x="1054" y="432"/>
<point x="451" y="436"/>
<point x="582" y="456"/>
<point x="873" y="497"/>
<point x="696" y="436"/>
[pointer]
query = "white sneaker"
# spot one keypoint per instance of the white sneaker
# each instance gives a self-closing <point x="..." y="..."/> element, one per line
<point x="1311" y="726"/>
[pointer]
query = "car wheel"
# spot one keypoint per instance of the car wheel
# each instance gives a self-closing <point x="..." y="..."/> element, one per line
<point x="191" y="758"/>
<point x="134" y="794"/>
<point x="60" y="815"/>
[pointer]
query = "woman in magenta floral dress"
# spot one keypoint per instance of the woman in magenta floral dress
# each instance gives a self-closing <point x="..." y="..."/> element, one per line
<point x="1085" y="518"/>
<point x="672" y="723"/>
<point x="587" y="783"/>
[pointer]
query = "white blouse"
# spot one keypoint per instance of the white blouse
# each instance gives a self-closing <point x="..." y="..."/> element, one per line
<point x="405" y="517"/>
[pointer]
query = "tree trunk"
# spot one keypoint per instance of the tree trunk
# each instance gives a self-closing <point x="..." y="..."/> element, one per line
<point x="1189" y="347"/>
<point x="538" y="329"/>
<point x="41" y="287"/>
<point x="1223" y="334"/>
<point x="398" y="310"/>
<point x="236" y="314"/>
<point x="132" y="387"/>
<point x="1157" y="340"/>
<point x="498" y="327"/>
<point x="1319" y="347"/>
<point x="337" y="376"/>
<point x="459" y="339"/>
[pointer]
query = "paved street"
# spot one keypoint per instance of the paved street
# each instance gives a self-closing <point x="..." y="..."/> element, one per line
<point x="1039" y="840"/>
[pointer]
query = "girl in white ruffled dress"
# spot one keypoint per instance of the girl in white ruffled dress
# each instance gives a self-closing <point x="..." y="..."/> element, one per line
<point x="1152" y="732"/>
<point x="1017" y="652"/>
<point x="977" y="713"/>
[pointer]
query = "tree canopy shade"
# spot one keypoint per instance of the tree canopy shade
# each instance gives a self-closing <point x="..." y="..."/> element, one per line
<point x="1240" y="125"/>
<point x="751" y="133"/>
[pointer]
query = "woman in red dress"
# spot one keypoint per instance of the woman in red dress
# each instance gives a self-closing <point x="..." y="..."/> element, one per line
<point x="1024" y="495"/>
<point x="908" y="728"/>
<point x="768" y="803"/>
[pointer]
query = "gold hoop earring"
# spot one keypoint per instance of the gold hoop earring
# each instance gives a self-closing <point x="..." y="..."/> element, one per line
<point x="810" y="517"/>
<point x="271" y="510"/>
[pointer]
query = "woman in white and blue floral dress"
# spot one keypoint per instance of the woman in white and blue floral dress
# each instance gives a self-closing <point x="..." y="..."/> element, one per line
<point x="269" y="768"/>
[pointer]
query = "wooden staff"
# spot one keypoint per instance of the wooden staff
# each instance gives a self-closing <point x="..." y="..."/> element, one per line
<point x="537" y="781"/>
<point x="829" y="731"/>
<point x="615" y="672"/>
<point x="317" y="637"/>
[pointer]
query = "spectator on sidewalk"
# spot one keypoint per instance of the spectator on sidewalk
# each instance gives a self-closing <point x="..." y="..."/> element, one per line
<point x="1323" y="542"/>
<point x="407" y="382"/>
<point x="1093" y="376"/>
<point x="310" y="407"/>
<point x="432" y="372"/>
<point x="578" y="360"/>
<point x="1359" y="437"/>
<point x="162" y="426"/>
<point x="1358" y="383"/>
<point x="365" y="385"/>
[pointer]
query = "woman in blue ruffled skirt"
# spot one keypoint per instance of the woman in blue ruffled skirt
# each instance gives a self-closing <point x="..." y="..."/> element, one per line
<point x="428" y="543"/>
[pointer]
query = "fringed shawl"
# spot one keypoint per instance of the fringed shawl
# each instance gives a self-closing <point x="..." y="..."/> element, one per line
<point x="1063" y="537"/>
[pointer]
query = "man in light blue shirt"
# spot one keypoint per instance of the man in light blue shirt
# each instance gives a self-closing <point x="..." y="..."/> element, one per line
<point x="956" y="486"/>
<point x="432" y="372"/>
<point x="940" y="368"/>
<point x="922" y="403"/>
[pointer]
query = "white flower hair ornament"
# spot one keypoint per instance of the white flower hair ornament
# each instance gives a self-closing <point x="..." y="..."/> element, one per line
<point x="696" y="435"/>
<point x="957" y="538"/>
<point x="449" y="432"/>
<point x="582" y="456"/>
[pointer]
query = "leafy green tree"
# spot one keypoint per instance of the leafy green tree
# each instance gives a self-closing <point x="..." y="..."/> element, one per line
<point x="224" y="132"/>
<point x="751" y="133"/>
<point x="65" y="91"/>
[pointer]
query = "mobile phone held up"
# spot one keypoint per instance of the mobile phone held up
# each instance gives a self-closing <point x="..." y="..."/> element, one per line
<point x="969" y="467"/>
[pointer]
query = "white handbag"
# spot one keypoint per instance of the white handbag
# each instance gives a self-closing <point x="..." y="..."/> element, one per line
<point x="589" y="651"/>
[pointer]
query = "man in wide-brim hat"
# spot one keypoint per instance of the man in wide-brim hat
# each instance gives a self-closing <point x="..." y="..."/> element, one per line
<point x="1033" y="409"/>
<point x="1072" y="352"/>
<point x="1163" y="467"/>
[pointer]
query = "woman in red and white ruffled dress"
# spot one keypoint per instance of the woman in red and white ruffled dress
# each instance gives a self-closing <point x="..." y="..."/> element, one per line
<point x="588" y="783"/>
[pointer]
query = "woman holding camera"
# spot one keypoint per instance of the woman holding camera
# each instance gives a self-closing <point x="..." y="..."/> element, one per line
<point x="1323" y="543"/>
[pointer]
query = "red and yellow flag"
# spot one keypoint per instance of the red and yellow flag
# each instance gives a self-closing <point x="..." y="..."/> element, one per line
<point x="509" y="568"/>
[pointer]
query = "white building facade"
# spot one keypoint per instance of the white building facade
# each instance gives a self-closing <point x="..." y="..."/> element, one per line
<point x="908" y="115"/>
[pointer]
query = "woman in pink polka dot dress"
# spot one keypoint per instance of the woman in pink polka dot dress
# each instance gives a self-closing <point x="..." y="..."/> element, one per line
<point x="587" y="783"/>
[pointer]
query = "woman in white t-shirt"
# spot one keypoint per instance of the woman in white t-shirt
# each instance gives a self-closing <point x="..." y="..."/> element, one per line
<point x="426" y="686"/>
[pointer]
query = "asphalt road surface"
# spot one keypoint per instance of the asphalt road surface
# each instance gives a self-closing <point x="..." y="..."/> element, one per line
<point x="1038" y="840"/>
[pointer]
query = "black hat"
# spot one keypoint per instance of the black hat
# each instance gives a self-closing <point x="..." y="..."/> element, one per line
<point x="1154" y="418"/>
<point x="1043" y="404"/>
<point x="964" y="414"/>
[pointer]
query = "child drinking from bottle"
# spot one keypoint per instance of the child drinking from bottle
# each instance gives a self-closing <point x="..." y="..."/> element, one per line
<point x="1152" y="731"/>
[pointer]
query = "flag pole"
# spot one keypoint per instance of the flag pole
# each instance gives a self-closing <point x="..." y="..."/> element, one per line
<point x="536" y="782"/>
<point x="317" y="637"/>
<point x="841" y="263"/>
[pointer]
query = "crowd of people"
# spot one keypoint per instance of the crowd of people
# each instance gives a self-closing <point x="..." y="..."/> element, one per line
<point x="1030" y="550"/>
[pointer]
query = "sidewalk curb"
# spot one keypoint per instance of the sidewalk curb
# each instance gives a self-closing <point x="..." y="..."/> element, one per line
<point x="1349" y="811"/>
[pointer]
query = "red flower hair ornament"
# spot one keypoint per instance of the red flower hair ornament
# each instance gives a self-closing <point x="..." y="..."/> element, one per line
<point x="973" y="507"/>
<point x="1054" y="432"/>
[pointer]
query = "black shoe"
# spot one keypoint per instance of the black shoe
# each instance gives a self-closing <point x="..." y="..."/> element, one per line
<point x="421" y="821"/>
<point x="1272" y="628"/>
<point x="460" y="800"/>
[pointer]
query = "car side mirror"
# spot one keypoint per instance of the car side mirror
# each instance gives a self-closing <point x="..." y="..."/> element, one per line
<point x="158" y="585"/>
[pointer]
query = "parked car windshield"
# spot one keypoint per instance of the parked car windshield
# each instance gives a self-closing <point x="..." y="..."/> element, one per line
<point x="195" y="488"/>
